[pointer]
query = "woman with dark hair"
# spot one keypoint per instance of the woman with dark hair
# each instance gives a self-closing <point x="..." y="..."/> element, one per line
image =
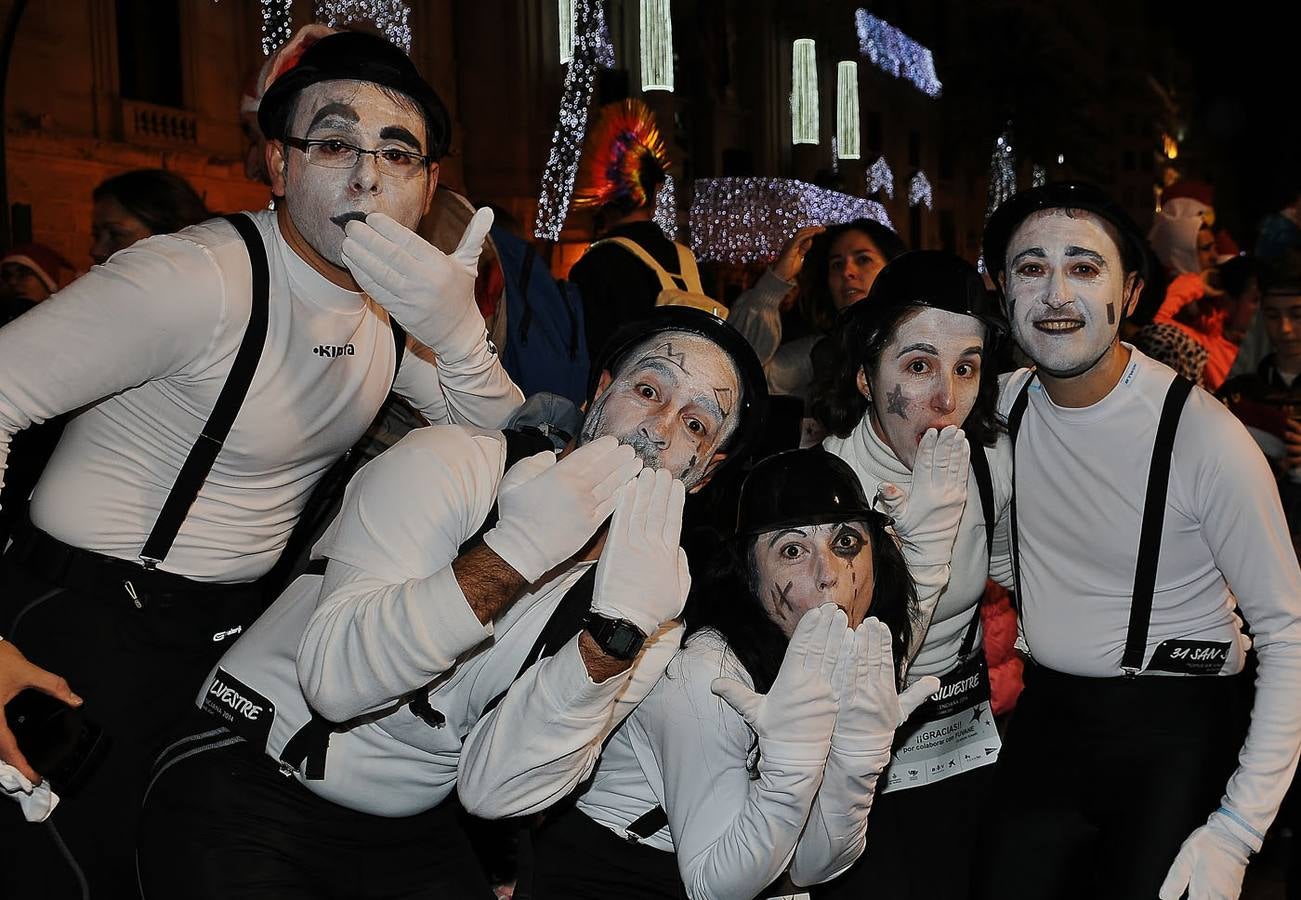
<point x="915" y="372"/>
<point x="758" y="750"/>
<point x="143" y="202"/>
<point x="834" y="268"/>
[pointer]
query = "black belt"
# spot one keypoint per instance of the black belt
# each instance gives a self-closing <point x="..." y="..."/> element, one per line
<point x="85" y="570"/>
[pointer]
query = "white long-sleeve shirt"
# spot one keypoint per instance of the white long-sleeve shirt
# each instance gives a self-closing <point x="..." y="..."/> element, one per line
<point x="389" y="620"/>
<point x="757" y="315"/>
<point x="949" y="596"/>
<point x="145" y="343"/>
<point x="685" y="749"/>
<point x="1081" y="480"/>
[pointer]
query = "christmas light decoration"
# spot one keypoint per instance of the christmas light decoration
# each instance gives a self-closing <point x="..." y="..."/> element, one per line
<point x="1002" y="172"/>
<point x="749" y="220"/>
<point x="565" y="14"/>
<point x="880" y="178"/>
<point x="390" y="17"/>
<point x="666" y="209"/>
<point x="919" y="190"/>
<point x="894" y="52"/>
<point x="591" y="47"/>
<point x="656" y="46"/>
<point x="276" y="24"/>
<point x="1038" y="177"/>
<point x="804" y="92"/>
<point x="847" y="130"/>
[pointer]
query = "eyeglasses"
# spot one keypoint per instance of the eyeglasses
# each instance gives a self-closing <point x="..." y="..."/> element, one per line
<point x="334" y="154"/>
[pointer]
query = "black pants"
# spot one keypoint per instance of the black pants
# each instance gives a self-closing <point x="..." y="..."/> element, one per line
<point x="921" y="843"/>
<point x="221" y="822"/>
<point x="1101" y="779"/>
<point x="574" y="858"/>
<point x="139" y="671"/>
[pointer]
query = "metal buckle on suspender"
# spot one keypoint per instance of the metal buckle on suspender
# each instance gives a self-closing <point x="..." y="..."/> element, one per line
<point x="1130" y="671"/>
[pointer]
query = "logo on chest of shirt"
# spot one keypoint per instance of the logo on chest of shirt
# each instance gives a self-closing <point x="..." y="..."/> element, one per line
<point x="330" y="351"/>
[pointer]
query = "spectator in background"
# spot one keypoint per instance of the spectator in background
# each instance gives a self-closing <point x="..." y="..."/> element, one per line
<point x="29" y="273"/>
<point x="623" y="168"/>
<point x="835" y="267"/>
<point x="140" y="203"/>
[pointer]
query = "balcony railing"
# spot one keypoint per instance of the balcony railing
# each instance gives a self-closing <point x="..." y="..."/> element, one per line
<point x="148" y="123"/>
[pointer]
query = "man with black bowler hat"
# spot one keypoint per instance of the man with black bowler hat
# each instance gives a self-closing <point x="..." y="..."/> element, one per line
<point x="472" y="595"/>
<point x="277" y="340"/>
<point x="1144" y="518"/>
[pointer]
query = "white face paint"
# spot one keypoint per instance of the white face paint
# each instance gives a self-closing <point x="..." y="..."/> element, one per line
<point x="801" y="568"/>
<point x="928" y="376"/>
<point x="321" y="200"/>
<point x="1066" y="290"/>
<point x="673" y="400"/>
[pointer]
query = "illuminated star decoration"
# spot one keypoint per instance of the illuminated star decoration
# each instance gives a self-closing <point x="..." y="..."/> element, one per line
<point x="749" y="220"/>
<point x="390" y="17"/>
<point x="1002" y="172"/>
<point x="919" y="190"/>
<point x="276" y="24"/>
<point x="880" y="178"/>
<point x="894" y="52"/>
<point x="591" y="46"/>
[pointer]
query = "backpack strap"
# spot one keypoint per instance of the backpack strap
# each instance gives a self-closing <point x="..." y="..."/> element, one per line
<point x="668" y="281"/>
<point x="197" y="465"/>
<point x="687" y="266"/>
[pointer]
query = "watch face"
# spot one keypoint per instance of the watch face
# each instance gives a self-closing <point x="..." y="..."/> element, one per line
<point x="624" y="641"/>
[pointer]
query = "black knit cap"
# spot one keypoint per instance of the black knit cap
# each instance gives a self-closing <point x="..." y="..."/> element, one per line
<point x="355" y="56"/>
<point x="1063" y="195"/>
<point x="801" y="487"/>
<point x="754" y="385"/>
<point x="934" y="278"/>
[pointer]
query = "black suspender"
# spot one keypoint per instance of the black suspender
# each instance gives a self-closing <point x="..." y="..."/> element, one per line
<point x="194" y="471"/>
<point x="1149" y="541"/>
<point x="1149" y="544"/>
<point x="985" y="487"/>
<point x="204" y="452"/>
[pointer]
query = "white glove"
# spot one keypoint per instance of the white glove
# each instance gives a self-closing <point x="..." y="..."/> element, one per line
<point x="1210" y="865"/>
<point x="547" y="510"/>
<point x="428" y="291"/>
<point x="928" y="516"/>
<point x="870" y="707"/>
<point x="642" y="575"/>
<point x="795" y="718"/>
<point x="37" y="801"/>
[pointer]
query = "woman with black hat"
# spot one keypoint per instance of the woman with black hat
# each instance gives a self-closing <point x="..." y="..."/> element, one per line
<point x="759" y="748"/>
<point x="916" y="383"/>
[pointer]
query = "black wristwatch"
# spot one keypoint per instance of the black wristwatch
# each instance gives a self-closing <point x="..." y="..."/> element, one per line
<point x="618" y="638"/>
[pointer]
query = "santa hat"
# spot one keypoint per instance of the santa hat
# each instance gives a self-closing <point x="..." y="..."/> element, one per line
<point x="44" y="262"/>
<point x="1198" y="190"/>
<point x="285" y="58"/>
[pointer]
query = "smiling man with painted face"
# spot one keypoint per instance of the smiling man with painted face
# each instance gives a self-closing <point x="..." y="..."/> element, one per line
<point x="1144" y="518"/>
<point x="280" y="331"/>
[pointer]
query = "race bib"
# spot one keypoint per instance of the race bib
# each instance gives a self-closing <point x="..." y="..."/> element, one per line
<point x="951" y="733"/>
<point x="1190" y="657"/>
<point x="244" y="710"/>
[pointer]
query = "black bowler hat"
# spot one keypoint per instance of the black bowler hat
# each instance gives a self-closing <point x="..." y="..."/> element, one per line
<point x="754" y="385"/>
<point x="355" y="56"/>
<point x="801" y="487"/>
<point x="933" y="278"/>
<point x="1064" y="195"/>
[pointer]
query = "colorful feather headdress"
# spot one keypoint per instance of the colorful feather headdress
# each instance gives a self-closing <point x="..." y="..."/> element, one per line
<point x="611" y="169"/>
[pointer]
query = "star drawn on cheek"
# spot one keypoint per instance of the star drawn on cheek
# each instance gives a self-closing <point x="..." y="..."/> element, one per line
<point x="896" y="403"/>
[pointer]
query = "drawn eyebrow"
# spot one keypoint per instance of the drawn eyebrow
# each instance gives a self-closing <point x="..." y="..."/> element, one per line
<point x="785" y="531"/>
<point x="1036" y="252"/>
<point x="337" y="110"/>
<point x="398" y="133"/>
<point x="1091" y="255"/>
<point x="922" y="346"/>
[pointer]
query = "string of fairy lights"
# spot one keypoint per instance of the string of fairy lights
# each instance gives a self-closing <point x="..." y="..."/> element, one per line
<point x="391" y="18"/>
